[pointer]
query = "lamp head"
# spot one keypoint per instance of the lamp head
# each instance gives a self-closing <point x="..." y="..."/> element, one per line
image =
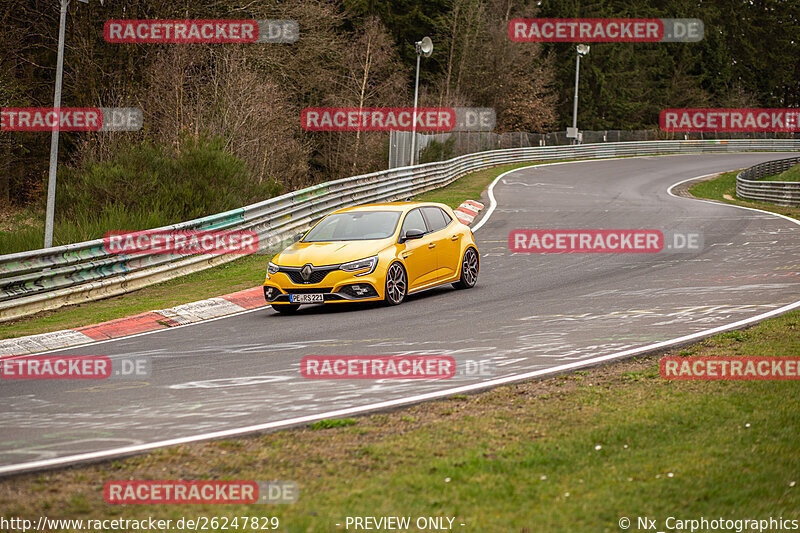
<point x="425" y="46"/>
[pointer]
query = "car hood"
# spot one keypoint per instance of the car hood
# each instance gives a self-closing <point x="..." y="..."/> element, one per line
<point x="328" y="253"/>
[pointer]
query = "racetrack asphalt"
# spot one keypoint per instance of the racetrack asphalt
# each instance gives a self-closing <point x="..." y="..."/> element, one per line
<point x="528" y="313"/>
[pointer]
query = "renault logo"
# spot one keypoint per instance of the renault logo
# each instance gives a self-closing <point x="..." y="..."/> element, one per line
<point x="306" y="272"/>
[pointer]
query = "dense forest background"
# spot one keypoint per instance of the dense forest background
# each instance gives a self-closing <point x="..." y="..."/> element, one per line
<point x="231" y="112"/>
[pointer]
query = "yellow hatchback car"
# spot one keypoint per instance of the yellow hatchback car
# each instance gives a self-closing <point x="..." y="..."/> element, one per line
<point x="375" y="252"/>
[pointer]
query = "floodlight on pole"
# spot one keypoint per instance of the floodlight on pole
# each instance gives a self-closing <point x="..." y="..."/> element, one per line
<point x="423" y="47"/>
<point x="582" y="49"/>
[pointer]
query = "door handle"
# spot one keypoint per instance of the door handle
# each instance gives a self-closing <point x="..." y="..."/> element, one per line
<point x="455" y="237"/>
<point x="432" y="245"/>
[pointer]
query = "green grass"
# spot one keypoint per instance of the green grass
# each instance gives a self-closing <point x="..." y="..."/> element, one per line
<point x="333" y="423"/>
<point x="793" y="174"/>
<point x="723" y="188"/>
<point x="526" y="457"/>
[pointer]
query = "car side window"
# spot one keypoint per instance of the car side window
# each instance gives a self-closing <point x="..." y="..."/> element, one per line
<point x="415" y="221"/>
<point x="437" y="219"/>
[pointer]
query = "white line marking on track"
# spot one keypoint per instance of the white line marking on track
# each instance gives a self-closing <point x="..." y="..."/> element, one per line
<point x="669" y="191"/>
<point x="130" y="450"/>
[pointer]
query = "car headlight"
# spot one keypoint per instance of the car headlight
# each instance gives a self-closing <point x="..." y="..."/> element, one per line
<point x="272" y="268"/>
<point x="367" y="265"/>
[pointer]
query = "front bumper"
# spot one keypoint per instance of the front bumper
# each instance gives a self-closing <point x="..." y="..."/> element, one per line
<point x="364" y="292"/>
<point x="336" y="286"/>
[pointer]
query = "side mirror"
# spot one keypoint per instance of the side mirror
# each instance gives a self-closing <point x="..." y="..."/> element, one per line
<point x="412" y="234"/>
<point x="298" y="237"/>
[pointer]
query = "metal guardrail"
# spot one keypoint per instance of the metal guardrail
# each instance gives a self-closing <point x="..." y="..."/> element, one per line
<point x="50" y="278"/>
<point x="467" y="142"/>
<point x="751" y="185"/>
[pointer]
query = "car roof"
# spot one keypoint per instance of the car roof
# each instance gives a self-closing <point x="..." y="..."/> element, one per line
<point x="390" y="206"/>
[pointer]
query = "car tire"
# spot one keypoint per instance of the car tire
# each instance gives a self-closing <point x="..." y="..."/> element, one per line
<point x="396" y="287"/>
<point x="286" y="309"/>
<point x="470" y="267"/>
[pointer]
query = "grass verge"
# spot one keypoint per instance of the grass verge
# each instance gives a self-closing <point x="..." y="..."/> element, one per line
<point x="792" y="174"/>
<point x="723" y="188"/>
<point x="237" y="275"/>
<point x="569" y="453"/>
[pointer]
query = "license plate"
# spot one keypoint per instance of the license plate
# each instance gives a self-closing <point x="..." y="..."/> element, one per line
<point x="306" y="298"/>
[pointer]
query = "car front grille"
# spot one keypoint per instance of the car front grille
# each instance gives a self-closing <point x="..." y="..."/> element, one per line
<point x="317" y="275"/>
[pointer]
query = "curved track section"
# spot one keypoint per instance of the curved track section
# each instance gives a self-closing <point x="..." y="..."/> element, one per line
<point x="529" y="315"/>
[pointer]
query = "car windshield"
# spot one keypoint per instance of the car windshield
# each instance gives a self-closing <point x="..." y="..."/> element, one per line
<point x="354" y="226"/>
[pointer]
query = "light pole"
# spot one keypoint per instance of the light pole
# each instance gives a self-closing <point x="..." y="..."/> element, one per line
<point x="425" y="46"/>
<point x="582" y="50"/>
<point x="51" y="180"/>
